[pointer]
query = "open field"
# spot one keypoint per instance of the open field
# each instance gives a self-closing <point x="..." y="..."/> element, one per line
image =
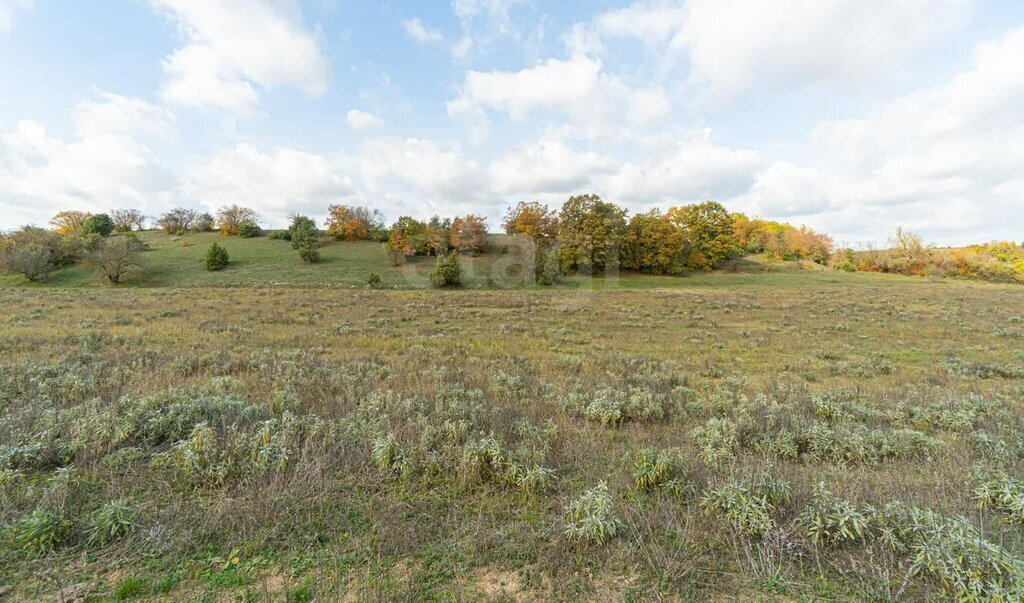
<point x="286" y="443"/>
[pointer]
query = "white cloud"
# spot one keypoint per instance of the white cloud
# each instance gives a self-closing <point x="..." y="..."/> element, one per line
<point x="420" y="33"/>
<point x="122" y="115"/>
<point x="102" y="167"/>
<point x="576" y="87"/>
<point x="735" y="45"/>
<point x="7" y="10"/>
<point x="696" y="169"/>
<point x="232" y="45"/>
<point x="274" y="183"/>
<point x="946" y="160"/>
<point x="361" y="120"/>
<point x="546" y="166"/>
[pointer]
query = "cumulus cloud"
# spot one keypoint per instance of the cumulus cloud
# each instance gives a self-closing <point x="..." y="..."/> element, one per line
<point x="361" y="120"/>
<point x="696" y="169"/>
<point x="104" y="165"/>
<point x="233" y="46"/>
<point x="577" y="88"/>
<point x="777" y="42"/>
<point x="945" y="160"/>
<point x="420" y="33"/>
<point x="275" y="182"/>
<point x="7" y="10"/>
<point x="548" y="165"/>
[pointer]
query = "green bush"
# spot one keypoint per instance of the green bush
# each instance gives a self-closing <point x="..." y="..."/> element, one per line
<point x="661" y="470"/>
<point x="249" y="230"/>
<point x="448" y="272"/>
<point x="280" y="235"/>
<point x="374" y="280"/>
<point x="216" y="257"/>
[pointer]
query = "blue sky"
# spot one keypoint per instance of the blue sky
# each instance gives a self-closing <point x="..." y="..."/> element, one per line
<point x="851" y="116"/>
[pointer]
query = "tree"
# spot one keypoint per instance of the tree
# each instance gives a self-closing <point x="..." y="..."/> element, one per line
<point x="708" y="229"/>
<point x="99" y="224"/>
<point x="203" y="223"/>
<point x="352" y="223"/>
<point x="231" y="218"/>
<point x="305" y="238"/>
<point x="116" y="257"/>
<point x="589" y="233"/>
<point x="127" y="220"/>
<point x="217" y="257"/>
<point x="177" y="220"/>
<point x="407" y="237"/>
<point x="653" y="244"/>
<point x="67" y="222"/>
<point x="469" y="233"/>
<point x="448" y="272"/>
<point x="533" y="220"/>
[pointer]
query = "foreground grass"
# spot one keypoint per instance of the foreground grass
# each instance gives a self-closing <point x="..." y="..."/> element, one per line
<point x="248" y="430"/>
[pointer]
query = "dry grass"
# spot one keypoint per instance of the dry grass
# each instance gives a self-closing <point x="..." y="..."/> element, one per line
<point x="356" y="365"/>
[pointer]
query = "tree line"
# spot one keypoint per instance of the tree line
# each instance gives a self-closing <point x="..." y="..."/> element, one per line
<point x="587" y="235"/>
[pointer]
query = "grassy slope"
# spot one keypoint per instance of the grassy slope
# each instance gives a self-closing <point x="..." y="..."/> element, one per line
<point x="178" y="262"/>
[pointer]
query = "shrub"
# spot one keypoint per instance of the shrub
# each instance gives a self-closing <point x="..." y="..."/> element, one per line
<point x="830" y="520"/>
<point x="310" y="253"/>
<point x="661" y="470"/>
<point x="114" y="520"/>
<point x="280" y="235"/>
<point x="747" y="512"/>
<point x="352" y="223"/>
<point x="448" y="272"/>
<point x="469" y="233"/>
<point x="717" y="441"/>
<point x="249" y="230"/>
<point x="591" y="516"/>
<point x="1002" y="493"/>
<point x="99" y="224"/>
<point x="548" y="268"/>
<point x="216" y="257"/>
<point x="33" y="261"/>
<point x="40" y="531"/>
<point x="374" y="281"/>
<point x="612" y="406"/>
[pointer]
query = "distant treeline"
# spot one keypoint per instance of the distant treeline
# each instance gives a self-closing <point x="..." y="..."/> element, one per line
<point x="587" y="235"/>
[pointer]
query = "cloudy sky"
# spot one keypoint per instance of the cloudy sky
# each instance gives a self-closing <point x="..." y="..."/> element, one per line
<point x="850" y="116"/>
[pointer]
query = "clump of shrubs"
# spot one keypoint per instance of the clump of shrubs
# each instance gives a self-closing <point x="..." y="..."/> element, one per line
<point x="661" y="470"/>
<point x="217" y="257"/>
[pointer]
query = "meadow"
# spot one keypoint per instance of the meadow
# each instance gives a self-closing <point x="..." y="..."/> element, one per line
<point x="781" y="436"/>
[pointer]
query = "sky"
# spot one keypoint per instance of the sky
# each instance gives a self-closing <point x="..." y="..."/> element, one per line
<point x="848" y="116"/>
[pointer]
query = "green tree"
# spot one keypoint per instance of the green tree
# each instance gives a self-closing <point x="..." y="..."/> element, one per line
<point x="589" y="233"/>
<point x="217" y="257"/>
<point x="100" y="224"/>
<point x="708" y="229"/>
<point x="305" y="238"/>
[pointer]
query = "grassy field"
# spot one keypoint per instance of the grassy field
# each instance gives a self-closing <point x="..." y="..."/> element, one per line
<point x="314" y="443"/>
<point x="178" y="262"/>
